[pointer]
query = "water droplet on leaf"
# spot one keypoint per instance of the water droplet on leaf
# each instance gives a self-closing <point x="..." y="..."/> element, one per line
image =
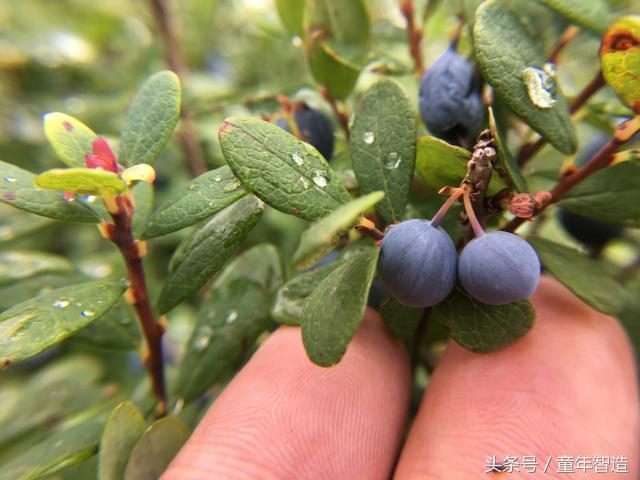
<point x="541" y="85"/>
<point x="296" y="157"/>
<point x="217" y="178"/>
<point x="10" y="179"/>
<point x="87" y="313"/>
<point x="61" y="303"/>
<point x="320" y="178"/>
<point x="203" y="338"/>
<point x="369" y="138"/>
<point x="305" y="182"/>
<point x="392" y="161"/>
<point x="232" y="317"/>
<point x="232" y="185"/>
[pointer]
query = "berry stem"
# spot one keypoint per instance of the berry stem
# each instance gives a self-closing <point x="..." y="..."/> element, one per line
<point x="368" y="228"/>
<point x="530" y="149"/>
<point x="473" y="220"/>
<point x="602" y="159"/>
<point x="187" y="137"/>
<point x="414" y="35"/>
<point x="121" y="235"/>
<point x="341" y="116"/>
<point x="567" y="36"/>
<point x="437" y="218"/>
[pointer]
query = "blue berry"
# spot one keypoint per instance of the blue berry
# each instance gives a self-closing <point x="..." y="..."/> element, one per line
<point x="498" y="268"/>
<point x="450" y="103"/>
<point x="315" y="128"/>
<point x="417" y="263"/>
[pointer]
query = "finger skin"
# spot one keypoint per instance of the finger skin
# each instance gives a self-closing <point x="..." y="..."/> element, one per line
<point x="568" y="387"/>
<point x="283" y="417"/>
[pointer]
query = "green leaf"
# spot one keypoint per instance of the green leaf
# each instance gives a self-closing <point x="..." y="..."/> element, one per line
<point x="260" y="264"/>
<point x="401" y="320"/>
<point x="593" y="15"/>
<point x="503" y="50"/>
<point x="151" y="119"/>
<point x="506" y="161"/>
<point x="71" y="442"/>
<point x="383" y="146"/>
<point x="588" y="279"/>
<point x="143" y="201"/>
<point x="228" y="323"/>
<point x="609" y="195"/>
<point x="71" y="139"/>
<point x="90" y="181"/>
<point x="18" y="190"/>
<point x="41" y="322"/>
<point x="330" y="24"/>
<point x="287" y="308"/>
<point x="629" y="315"/>
<point x="439" y="164"/>
<point x="196" y="200"/>
<point x="124" y="428"/>
<point x="69" y="386"/>
<point x="286" y="173"/>
<point x="208" y="249"/>
<point x="332" y="313"/>
<point x="483" y="328"/>
<point x="116" y="330"/>
<point x="155" y="450"/>
<point x="323" y="235"/>
<point x="18" y="265"/>
<point x="291" y="13"/>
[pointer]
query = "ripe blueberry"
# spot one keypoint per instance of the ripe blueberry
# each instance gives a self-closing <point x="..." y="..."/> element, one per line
<point x="593" y="234"/>
<point x="417" y="263"/>
<point x="450" y="103"/>
<point x="315" y="129"/>
<point x="498" y="268"/>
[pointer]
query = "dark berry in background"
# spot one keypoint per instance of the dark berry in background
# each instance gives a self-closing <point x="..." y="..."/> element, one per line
<point x="499" y="268"/>
<point x="417" y="263"/>
<point x="450" y="103"/>
<point x="377" y="294"/>
<point x="593" y="234"/>
<point x="315" y="128"/>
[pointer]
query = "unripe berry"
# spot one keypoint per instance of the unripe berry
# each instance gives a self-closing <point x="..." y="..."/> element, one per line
<point x="315" y="128"/>
<point x="450" y="103"/>
<point x="499" y="268"/>
<point x="417" y="263"/>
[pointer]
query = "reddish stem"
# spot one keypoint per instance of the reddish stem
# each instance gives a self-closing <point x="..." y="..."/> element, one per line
<point x="341" y="116"/>
<point x="473" y="220"/>
<point x="437" y="218"/>
<point x="414" y="34"/>
<point x="569" y="34"/>
<point x="122" y="236"/>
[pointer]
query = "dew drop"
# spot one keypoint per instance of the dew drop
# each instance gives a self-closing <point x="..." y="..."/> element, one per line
<point x="296" y="157"/>
<point x="89" y="198"/>
<point x="177" y="408"/>
<point x="10" y="179"/>
<point x="192" y="187"/>
<point x="232" y="185"/>
<point x="232" y="317"/>
<point x="305" y="182"/>
<point x="392" y="161"/>
<point x="320" y="178"/>
<point x="369" y="138"/>
<point x="203" y="338"/>
<point x="541" y="85"/>
<point x="217" y="178"/>
<point x="87" y="313"/>
<point x="296" y="41"/>
<point x="61" y="303"/>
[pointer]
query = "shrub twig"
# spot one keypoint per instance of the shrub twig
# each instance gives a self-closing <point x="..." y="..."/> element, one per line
<point x="414" y="35"/>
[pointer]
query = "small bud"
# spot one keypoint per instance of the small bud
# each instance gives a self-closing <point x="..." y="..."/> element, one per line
<point x="102" y="156"/>
<point x="525" y="205"/>
<point x="140" y="172"/>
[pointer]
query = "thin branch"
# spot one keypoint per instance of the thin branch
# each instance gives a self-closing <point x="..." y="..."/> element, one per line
<point x="530" y="149"/>
<point x="471" y="214"/>
<point x="120" y="233"/>
<point x="341" y="116"/>
<point x="175" y="60"/>
<point x="600" y="160"/>
<point x="414" y="35"/>
<point x="368" y="228"/>
<point x="569" y="34"/>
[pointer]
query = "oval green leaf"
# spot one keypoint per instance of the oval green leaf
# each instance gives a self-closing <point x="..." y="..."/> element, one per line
<point x="151" y="119"/>
<point x="143" y="202"/>
<point x="503" y="50"/>
<point x="483" y="328"/>
<point x="439" y="165"/>
<point x="323" y="235"/>
<point x="286" y="173"/>
<point x="17" y="189"/>
<point x="291" y="13"/>
<point x="124" y="428"/>
<point x="593" y="15"/>
<point x="89" y="181"/>
<point x="43" y="321"/>
<point x="116" y="330"/>
<point x="333" y="312"/>
<point x="20" y="264"/>
<point x="287" y="307"/>
<point x="587" y="279"/>
<point x="70" y="138"/>
<point x="208" y="249"/>
<point x="196" y="200"/>
<point x="609" y="195"/>
<point x="156" y="448"/>
<point x="383" y="146"/>
<point x="260" y="264"/>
